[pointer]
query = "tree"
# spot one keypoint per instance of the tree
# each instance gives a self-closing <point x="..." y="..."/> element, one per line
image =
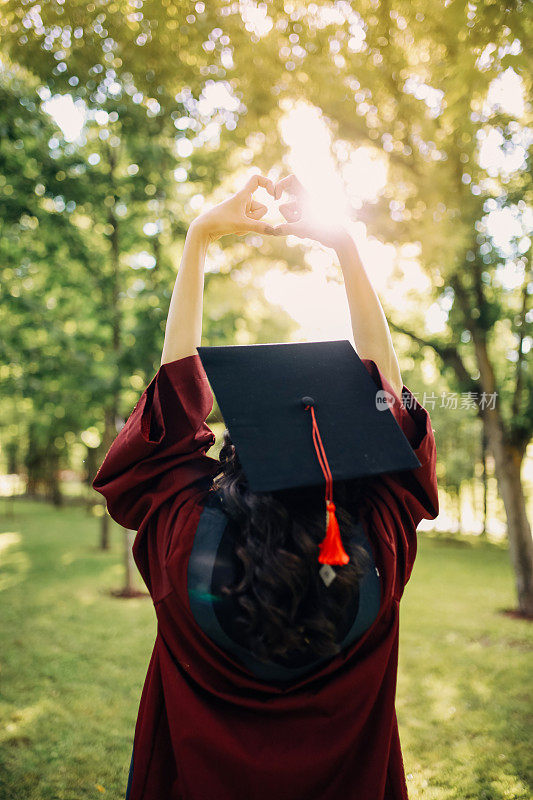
<point x="415" y="83"/>
<point x="130" y="213"/>
<point x="139" y="128"/>
<point x="41" y="255"/>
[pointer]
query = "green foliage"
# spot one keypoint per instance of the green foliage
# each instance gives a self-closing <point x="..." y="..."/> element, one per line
<point x="420" y="87"/>
<point x="179" y="99"/>
<point x="84" y="303"/>
<point x="42" y="257"/>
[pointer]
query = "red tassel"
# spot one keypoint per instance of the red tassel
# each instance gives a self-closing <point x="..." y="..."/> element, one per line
<point x="331" y="549"/>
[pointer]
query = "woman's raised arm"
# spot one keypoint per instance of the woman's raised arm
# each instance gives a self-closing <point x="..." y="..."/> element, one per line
<point x="369" y="324"/>
<point x="239" y="214"/>
<point x="370" y="328"/>
<point x="183" y="332"/>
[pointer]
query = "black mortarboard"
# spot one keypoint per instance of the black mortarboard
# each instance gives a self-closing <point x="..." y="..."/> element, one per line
<point x="301" y="413"/>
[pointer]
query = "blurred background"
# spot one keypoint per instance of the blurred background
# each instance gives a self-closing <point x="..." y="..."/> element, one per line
<point x="120" y="122"/>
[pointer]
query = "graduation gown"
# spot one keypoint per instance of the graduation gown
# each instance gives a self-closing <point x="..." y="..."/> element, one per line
<point x="208" y="728"/>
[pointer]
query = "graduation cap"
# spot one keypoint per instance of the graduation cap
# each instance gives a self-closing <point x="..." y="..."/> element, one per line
<point x="301" y="413"/>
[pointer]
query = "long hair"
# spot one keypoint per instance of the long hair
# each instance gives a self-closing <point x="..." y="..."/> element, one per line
<point x="285" y="608"/>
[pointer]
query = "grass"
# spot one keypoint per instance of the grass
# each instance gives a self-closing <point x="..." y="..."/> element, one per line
<point x="73" y="661"/>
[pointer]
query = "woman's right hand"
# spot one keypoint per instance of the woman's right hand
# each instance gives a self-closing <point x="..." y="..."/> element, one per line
<point x="303" y="219"/>
<point x="239" y="213"/>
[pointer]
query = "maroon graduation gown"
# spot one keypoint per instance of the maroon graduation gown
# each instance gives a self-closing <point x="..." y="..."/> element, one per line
<point x="207" y="728"/>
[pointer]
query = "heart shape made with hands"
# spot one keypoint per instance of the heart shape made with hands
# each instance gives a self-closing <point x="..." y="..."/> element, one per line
<point x="293" y="209"/>
<point x="304" y="215"/>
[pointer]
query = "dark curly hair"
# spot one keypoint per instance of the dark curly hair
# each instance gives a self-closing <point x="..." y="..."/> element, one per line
<point x="286" y="610"/>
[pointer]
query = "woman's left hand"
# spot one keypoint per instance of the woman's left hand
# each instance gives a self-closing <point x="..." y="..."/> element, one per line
<point x="239" y="214"/>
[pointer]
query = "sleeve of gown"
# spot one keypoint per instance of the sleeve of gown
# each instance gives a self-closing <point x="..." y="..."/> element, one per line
<point x="162" y="447"/>
<point x="414" y="492"/>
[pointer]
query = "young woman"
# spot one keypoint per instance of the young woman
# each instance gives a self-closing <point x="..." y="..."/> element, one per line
<point x="263" y="682"/>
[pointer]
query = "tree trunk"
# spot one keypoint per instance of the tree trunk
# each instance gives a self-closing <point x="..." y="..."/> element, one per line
<point x="104" y="528"/>
<point x="91" y="467"/>
<point x="129" y="563"/>
<point x="34" y="461"/>
<point x="52" y="482"/>
<point x="484" y="480"/>
<point x="12" y="452"/>
<point x="459" y="496"/>
<point x="507" y="464"/>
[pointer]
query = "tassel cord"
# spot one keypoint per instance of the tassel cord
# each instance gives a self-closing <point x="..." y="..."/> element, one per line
<point x="321" y="453"/>
<point x="331" y="549"/>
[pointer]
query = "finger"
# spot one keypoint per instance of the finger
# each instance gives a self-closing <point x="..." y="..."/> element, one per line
<point x="289" y="184"/>
<point x="251" y="205"/>
<point x="255" y="181"/>
<point x="253" y="226"/>
<point x="293" y="229"/>
<point x="257" y="210"/>
<point x="291" y="211"/>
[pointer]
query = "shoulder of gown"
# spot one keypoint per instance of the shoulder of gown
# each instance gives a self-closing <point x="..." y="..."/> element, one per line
<point x="162" y="448"/>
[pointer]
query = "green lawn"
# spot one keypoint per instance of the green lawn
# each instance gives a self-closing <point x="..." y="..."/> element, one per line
<point x="73" y="661"/>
